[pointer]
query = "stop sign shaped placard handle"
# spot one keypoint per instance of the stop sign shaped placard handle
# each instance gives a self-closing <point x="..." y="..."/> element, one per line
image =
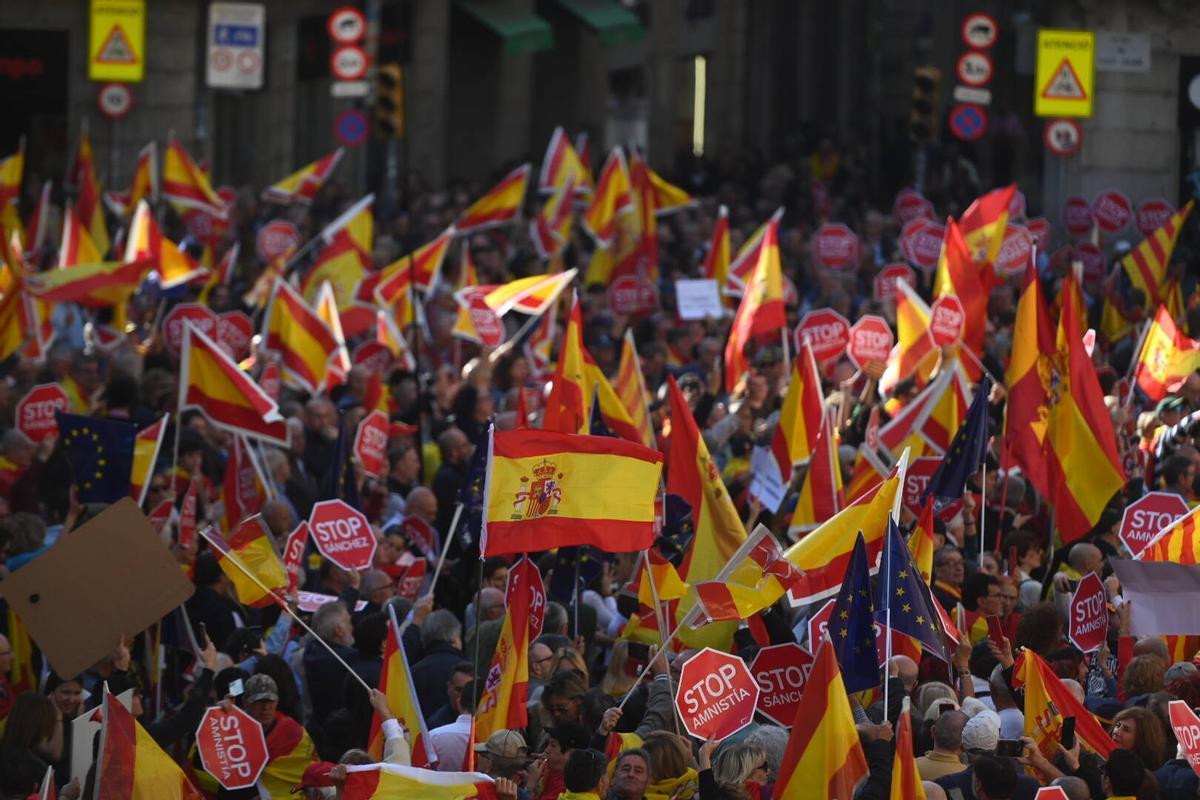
<point x="1088" y="621"/>
<point x="781" y="672"/>
<point x="232" y="747"/>
<point x="342" y="534"/>
<point x="717" y="695"/>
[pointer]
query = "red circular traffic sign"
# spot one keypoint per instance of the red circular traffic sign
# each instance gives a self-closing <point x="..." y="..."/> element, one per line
<point x="968" y="121"/>
<point x="115" y="100"/>
<point x="346" y="25"/>
<point x="716" y="696"/>
<point x="201" y="317"/>
<point x="235" y="329"/>
<point x="1152" y="214"/>
<point x="1147" y="516"/>
<point x="1088" y="614"/>
<point x="946" y="321"/>
<point x="827" y="331"/>
<point x="35" y="411"/>
<point x="632" y="294"/>
<point x="979" y="30"/>
<point x="836" y="246"/>
<point x="871" y="339"/>
<point x="275" y="239"/>
<point x="1113" y="211"/>
<point x="781" y="672"/>
<point x="974" y="68"/>
<point x="921" y="243"/>
<point x="1062" y="137"/>
<point x="232" y="747"/>
<point x="1014" y="250"/>
<point x="885" y="282"/>
<point x="909" y="205"/>
<point x="1077" y="215"/>
<point x="348" y="63"/>
<point x="371" y="443"/>
<point x="1092" y="259"/>
<point x="342" y="534"/>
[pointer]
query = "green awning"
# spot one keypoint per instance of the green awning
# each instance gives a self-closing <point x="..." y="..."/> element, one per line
<point x="522" y="31"/>
<point x="612" y="23"/>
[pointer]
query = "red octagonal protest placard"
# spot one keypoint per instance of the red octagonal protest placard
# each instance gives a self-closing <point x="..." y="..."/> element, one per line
<point x="827" y="330"/>
<point x="781" y="672"/>
<point x="916" y="478"/>
<point x="232" y="747"/>
<point x="342" y="534"/>
<point x="234" y="331"/>
<point x="836" y="246"/>
<point x="35" y="411"/>
<point x="524" y="572"/>
<point x="1152" y="214"/>
<point x="1088" y="626"/>
<point x="716" y="695"/>
<point x="200" y="316"/>
<point x="1113" y="211"/>
<point x="871" y="339"/>
<point x="946" y="322"/>
<point x="1077" y="215"/>
<point x="371" y="443"/>
<point x="1145" y="517"/>
<point x="889" y="276"/>
<point x="1187" y="731"/>
<point x="1014" y="250"/>
<point x="921" y="243"/>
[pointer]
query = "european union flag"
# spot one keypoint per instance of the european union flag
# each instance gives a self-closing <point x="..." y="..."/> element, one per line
<point x="342" y="483"/>
<point x="678" y="529"/>
<point x="852" y="624"/>
<point x="597" y="425"/>
<point x="591" y="564"/>
<point x="470" y="496"/>
<point x="965" y="456"/>
<point x="100" y="452"/>
<point x="906" y="595"/>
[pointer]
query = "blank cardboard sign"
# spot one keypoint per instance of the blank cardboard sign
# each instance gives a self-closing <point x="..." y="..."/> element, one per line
<point x="110" y="578"/>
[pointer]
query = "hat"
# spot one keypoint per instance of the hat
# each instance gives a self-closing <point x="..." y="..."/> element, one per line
<point x="260" y="687"/>
<point x="1169" y="404"/>
<point x="504" y="744"/>
<point x="1178" y="671"/>
<point x="982" y="732"/>
<point x="316" y="775"/>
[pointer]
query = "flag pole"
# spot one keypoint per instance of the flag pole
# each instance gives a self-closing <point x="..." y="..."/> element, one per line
<point x="237" y="562"/>
<point x="478" y="639"/>
<point x="445" y="547"/>
<point x="901" y="472"/>
<point x="1005" y="448"/>
<point x="660" y="615"/>
<point x="577" y="595"/>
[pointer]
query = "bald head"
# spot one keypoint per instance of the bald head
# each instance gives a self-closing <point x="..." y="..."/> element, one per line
<point x="422" y="502"/>
<point x="373" y="580"/>
<point x="906" y="670"/>
<point x="1074" y="687"/>
<point x="278" y="516"/>
<point x="947" y="731"/>
<point x="1085" y="558"/>
<point x="1075" y="788"/>
<point x="1152" y="646"/>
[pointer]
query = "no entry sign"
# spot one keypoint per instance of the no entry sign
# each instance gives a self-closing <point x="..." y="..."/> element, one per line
<point x="827" y="330"/>
<point x="946" y="322"/>
<point x="342" y="534"/>
<point x="232" y="747"/>
<point x="1145" y="517"/>
<point x="371" y="442"/>
<point x="871" y="339"/>
<point x="716" y="696"/>
<point x="1088" y="614"/>
<point x="836" y="246"/>
<point x="35" y="411"/>
<point x="781" y="672"/>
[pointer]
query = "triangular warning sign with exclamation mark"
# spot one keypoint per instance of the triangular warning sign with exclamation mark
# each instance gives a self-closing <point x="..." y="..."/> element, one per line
<point x="116" y="49"/>
<point x="1064" y="84"/>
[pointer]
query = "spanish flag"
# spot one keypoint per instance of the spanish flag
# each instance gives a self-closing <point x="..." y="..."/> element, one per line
<point x="392" y="288"/>
<point x="130" y="765"/>
<point x="499" y="205"/>
<point x="716" y="260"/>
<point x="249" y="560"/>
<point x="93" y="285"/>
<point x="89" y="204"/>
<point x="761" y="312"/>
<point x="185" y="186"/>
<point x="1146" y="265"/>
<point x="303" y="341"/>
<point x="756" y="576"/>
<point x="1028" y="382"/>
<point x="800" y="418"/>
<point x="39" y="223"/>
<point x="145" y="453"/>
<point x="1083" y="467"/>
<point x="146" y="240"/>
<point x="562" y="165"/>
<point x="76" y="245"/>
<point x="550" y="227"/>
<point x="915" y="352"/>
<point x="613" y="198"/>
<point x="920" y="542"/>
<point x="395" y="681"/>
<point x="391" y="781"/>
<point x="327" y="311"/>
<point x="823" y="758"/>
<point x="867" y="473"/>
<point x="345" y="259"/>
<point x="1048" y="701"/>
<point x="665" y="578"/>
<point x="748" y="256"/>
<point x="426" y="261"/>
<point x="211" y="382"/>
<point x="630" y="387"/>
<point x="12" y="173"/>
<point x="290" y="751"/>
<point x="1167" y="357"/>
<point x="144" y="186"/>
<point x="906" y="781"/>
<point x="958" y="275"/>
<point x="303" y="184"/>
<point x="22" y="675"/>
<point x="821" y="496"/>
<point x="244" y="488"/>
<point x="1178" y="543"/>
<point x="545" y="489"/>
<point x="223" y="274"/>
<point x="532" y="295"/>
<point x="983" y="226"/>
<point x="502" y="706"/>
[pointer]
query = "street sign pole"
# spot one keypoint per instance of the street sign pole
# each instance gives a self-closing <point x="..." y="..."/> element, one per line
<point x="374" y="12"/>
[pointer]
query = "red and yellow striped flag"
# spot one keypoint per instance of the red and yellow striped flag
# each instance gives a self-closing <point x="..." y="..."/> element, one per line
<point x="920" y="542"/>
<point x="499" y="205"/>
<point x="89" y="204"/>
<point x="630" y="387"/>
<point x="800" y="418"/>
<point x="94" y="285"/>
<point x="130" y="765"/>
<point x="395" y="681"/>
<point x="1178" y="543"/>
<point x="76" y="245"/>
<point x="961" y="277"/>
<point x="244" y="488"/>
<point x="145" y="454"/>
<point x="303" y="184"/>
<point x="185" y="186"/>
<point x="391" y="781"/>
<point x="561" y="165"/>
<point x="906" y="781"/>
<point x="612" y="198"/>
<point x="222" y="275"/>
<point x="915" y="352"/>
<point x="502" y="706"/>
<point x="823" y="759"/>
<point x="821" y="496"/>
<point x="756" y="577"/>
<point x="393" y="290"/>
<point x="550" y="227"/>
<point x="1048" y="701"/>
<point x="983" y="225"/>
<point x="1027" y="381"/>
<point x="867" y="473"/>
<point x="532" y="295"/>
<point x="1083" y="466"/>
<point x="546" y="489"/>
<point x="716" y="260"/>
<point x="427" y="259"/>
<point x="667" y="583"/>
<point x="1146" y="265"/>
<point x="12" y="173"/>
<point x="1166" y="359"/>
<point x="303" y="341"/>
<point x="211" y="382"/>
<point x="340" y="264"/>
<point x="146" y="240"/>
<point x="747" y="257"/>
<point x="327" y="311"/>
<point x="761" y="312"/>
<point x="249" y="560"/>
<point x="22" y="675"/>
<point x="143" y="187"/>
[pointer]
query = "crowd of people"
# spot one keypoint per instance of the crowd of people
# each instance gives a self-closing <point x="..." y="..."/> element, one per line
<point x="601" y="711"/>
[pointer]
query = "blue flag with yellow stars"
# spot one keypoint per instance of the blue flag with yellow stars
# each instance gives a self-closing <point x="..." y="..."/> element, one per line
<point x="965" y="455"/>
<point x="100" y="452"/>
<point x="470" y="495"/>
<point x="908" y="597"/>
<point x="852" y="624"/>
<point x="562" y="586"/>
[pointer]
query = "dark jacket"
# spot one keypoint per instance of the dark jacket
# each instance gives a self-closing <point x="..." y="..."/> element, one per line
<point x="431" y="674"/>
<point x="1176" y="780"/>
<point x="324" y="675"/>
<point x="216" y="611"/>
<point x="959" y="785"/>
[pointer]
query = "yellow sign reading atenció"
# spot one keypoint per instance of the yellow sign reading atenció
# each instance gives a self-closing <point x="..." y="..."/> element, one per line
<point x="117" y="41"/>
<point x="1065" y="82"/>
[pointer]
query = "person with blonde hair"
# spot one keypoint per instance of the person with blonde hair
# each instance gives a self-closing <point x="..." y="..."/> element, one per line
<point x="671" y="772"/>
<point x="567" y="659"/>
<point x="742" y="767"/>
<point x="617" y="681"/>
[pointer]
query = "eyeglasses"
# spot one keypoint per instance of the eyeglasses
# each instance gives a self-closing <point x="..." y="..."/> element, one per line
<point x="543" y="660"/>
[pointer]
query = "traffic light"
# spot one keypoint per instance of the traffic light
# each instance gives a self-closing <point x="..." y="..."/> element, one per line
<point x="923" y="119"/>
<point x="389" y="101"/>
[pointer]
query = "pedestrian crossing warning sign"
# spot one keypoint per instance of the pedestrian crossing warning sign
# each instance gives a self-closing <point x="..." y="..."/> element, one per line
<point x="1064" y="83"/>
<point x="117" y="40"/>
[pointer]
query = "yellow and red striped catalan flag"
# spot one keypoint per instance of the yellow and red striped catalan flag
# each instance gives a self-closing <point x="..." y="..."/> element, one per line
<point x="1146" y="265"/>
<point x="499" y="205"/>
<point x="303" y="340"/>
<point x="1178" y="543"/>
<point x="390" y="781"/>
<point x="395" y="681"/>
<point x="630" y="387"/>
<point x="545" y="489"/>
<point x="131" y="765"/>
<point x="248" y="552"/>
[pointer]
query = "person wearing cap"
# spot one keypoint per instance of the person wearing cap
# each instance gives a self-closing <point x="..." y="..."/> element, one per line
<point x="290" y="749"/>
<point x="504" y="755"/>
<point x="320" y="781"/>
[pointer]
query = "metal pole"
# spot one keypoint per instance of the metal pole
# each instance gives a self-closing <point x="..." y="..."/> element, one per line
<point x="374" y="11"/>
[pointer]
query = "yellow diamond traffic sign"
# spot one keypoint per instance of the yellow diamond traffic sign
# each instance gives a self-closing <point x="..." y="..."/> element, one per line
<point x="1065" y="81"/>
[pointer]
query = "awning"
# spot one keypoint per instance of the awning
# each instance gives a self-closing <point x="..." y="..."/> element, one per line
<point x="612" y="23"/>
<point x="522" y="31"/>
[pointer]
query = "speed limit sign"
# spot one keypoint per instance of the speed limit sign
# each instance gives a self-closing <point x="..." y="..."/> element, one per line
<point x="115" y="100"/>
<point x="1063" y="137"/>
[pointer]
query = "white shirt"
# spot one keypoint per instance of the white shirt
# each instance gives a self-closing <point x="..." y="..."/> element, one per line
<point x="450" y="743"/>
